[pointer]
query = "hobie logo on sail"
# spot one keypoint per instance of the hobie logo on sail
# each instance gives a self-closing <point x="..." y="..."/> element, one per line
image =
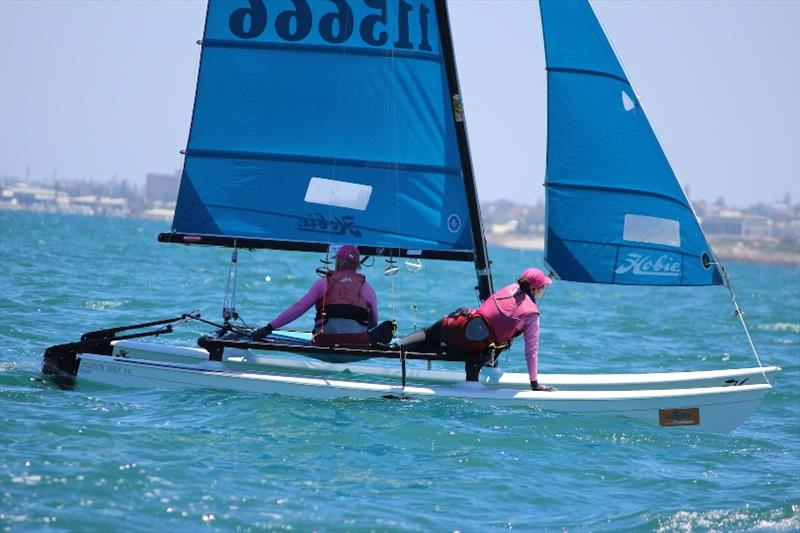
<point x="645" y="265"/>
<point x="317" y="223"/>
<point x="453" y="223"/>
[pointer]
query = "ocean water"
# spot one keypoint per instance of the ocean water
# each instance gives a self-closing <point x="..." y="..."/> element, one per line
<point x="107" y="459"/>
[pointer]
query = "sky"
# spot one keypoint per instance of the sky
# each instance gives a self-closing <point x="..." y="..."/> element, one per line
<point x="104" y="88"/>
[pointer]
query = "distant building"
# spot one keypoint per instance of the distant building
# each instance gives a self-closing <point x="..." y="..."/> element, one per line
<point x="162" y="188"/>
<point x="732" y="224"/>
<point x="43" y="199"/>
<point x="501" y="229"/>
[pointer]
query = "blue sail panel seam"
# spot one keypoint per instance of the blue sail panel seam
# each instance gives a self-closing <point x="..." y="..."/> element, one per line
<point x="633" y="244"/>
<point x="323" y="49"/>
<point x="589" y="72"/>
<point x="624" y="190"/>
<point x="321" y="160"/>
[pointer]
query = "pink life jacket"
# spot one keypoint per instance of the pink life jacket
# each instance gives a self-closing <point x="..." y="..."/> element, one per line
<point x="343" y="298"/>
<point x="505" y="312"/>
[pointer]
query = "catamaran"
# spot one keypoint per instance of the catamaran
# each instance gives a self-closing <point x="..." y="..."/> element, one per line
<point x="317" y="124"/>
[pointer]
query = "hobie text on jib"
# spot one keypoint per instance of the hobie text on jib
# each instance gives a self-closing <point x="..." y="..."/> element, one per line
<point x="647" y="265"/>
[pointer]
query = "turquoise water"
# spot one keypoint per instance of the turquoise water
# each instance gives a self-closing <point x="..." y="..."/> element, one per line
<point x="101" y="459"/>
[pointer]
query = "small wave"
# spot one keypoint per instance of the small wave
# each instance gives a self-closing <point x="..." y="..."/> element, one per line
<point x="8" y="367"/>
<point x="781" y="326"/>
<point x="747" y="519"/>
<point x="102" y="304"/>
<point x="27" y="479"/>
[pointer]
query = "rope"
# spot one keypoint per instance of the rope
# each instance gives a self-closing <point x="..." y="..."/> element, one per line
<point x="322" y="312"/>
<point x="413" y="306"/>
<point x="229" y="304"/>
<point x="413" y="267"/>
<point x="393" y="302"/>
<point x="726" y="279"/>
<point x="395" y="183"/>
<point x="334" y="169"/>
<point x="218" y="326"/>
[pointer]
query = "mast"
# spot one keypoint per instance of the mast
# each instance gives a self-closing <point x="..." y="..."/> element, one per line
<point x="482" y="263"/>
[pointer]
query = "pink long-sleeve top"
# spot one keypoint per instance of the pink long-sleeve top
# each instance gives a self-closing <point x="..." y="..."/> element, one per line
<point x="509" y="313"/>
<point x="315" y="294"/>
<point x="530" y="333"/>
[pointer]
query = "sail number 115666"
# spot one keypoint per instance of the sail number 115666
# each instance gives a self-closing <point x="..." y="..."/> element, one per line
<point x="337" y="25"/>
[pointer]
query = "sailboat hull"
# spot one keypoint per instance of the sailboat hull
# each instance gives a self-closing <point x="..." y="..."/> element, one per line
<point x="489" y="376"/>
<point x="718" y="409"/>
<point x="149" y="365"/>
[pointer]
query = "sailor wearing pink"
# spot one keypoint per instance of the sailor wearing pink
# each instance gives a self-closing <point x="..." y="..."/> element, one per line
<point x="316" y="294"/>
<point x="347" y="306"/>
<point x="509" y="312"/>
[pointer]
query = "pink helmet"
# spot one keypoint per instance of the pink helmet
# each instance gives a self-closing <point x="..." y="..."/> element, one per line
<point x="348" y="252"/>
<point x="536" y="278"/>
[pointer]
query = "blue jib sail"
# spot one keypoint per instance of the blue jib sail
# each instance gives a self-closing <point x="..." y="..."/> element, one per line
<point x="615" y="211"/>
<point x="319" y="122"/>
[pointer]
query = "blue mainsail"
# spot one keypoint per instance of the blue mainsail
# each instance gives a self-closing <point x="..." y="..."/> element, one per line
<point x="615" y="210"/>
<point x="323" y="122"/>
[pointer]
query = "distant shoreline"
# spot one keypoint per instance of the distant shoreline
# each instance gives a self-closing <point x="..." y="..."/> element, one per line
<point x="752" y="252"/>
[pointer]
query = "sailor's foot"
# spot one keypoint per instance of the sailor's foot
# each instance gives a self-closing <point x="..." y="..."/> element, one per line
<point x="536" y="386"/>
<point x="382" y="334"/>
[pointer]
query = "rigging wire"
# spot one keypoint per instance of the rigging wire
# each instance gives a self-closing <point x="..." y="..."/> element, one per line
<point x="392" y="268"/>
<point x="229" y="304"/>
<point x="413" y="266"/>
<point x="323" y="271"/>
<point x="195" y="315"/>
<point x="726" y="279"/>
<point x="390" y="271"/>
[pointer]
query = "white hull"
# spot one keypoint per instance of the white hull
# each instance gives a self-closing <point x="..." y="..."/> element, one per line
<point x="709" y="408"/>
<point x="417" y="371"/>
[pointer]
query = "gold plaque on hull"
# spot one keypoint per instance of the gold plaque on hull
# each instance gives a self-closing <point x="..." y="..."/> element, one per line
<point x="679" y="417"/>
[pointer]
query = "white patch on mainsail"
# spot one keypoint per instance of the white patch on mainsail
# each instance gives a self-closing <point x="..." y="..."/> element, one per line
<point x="654" y="230"/>
<point x="338" y="193"/>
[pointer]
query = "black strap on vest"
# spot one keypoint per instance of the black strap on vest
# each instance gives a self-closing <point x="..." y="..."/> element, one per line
<point x="352" y="312"/>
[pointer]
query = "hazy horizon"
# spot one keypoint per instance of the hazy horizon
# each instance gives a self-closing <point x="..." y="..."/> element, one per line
<point x="97" y="89"/>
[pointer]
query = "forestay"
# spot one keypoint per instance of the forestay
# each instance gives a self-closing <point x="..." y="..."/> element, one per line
<point x="615" y="210"/>
<point x="318" y="123"/>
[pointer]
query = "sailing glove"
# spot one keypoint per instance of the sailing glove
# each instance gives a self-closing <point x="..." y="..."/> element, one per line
<point x="260" y="333"/>
<point x="542" y="388"/>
